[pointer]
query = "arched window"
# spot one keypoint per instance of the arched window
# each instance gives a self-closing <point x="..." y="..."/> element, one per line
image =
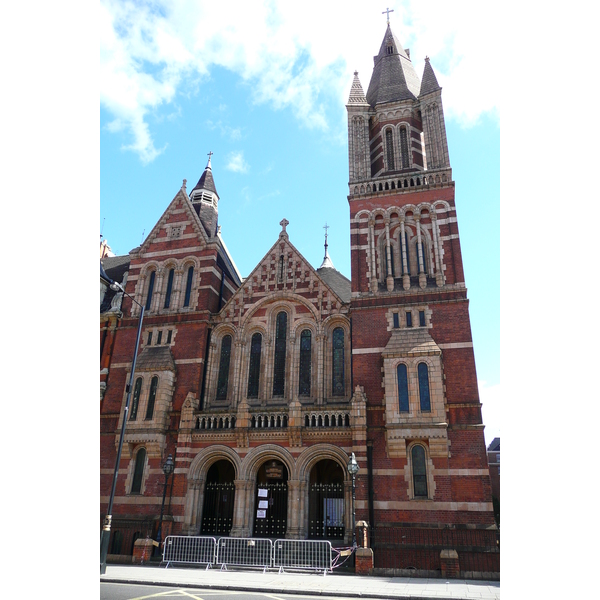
<point x="138" y="472"/>
<point x="404" y="148"/>
<point x="150" y="290"/>
<point x="169" y="288"/>
<point x="389" y="146"/>
<point x="151" y="398"/>
<point x="279" y="360"/>
<point x="419" y="469"/>
<point x="136" y="399"/>
<point x="188" y="286"/>
<point x="402" y="388"/>
<point x="223" y="378"/>
<point x="338" y="388"/>
<point x="305" y="363"/>
<point x="423" y="373"/>
<point x="254" y="370"/>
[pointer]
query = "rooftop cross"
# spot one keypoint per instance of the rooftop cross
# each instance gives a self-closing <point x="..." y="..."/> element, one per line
<point x="388" y="11"/>
<point x="326" y="228"/>
<point x="284" y="223"/>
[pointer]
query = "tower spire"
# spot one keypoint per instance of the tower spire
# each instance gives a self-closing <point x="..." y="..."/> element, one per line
<point x="327" y="262"/>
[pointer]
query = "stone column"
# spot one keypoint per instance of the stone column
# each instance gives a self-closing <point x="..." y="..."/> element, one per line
<point x="157" y="293"/>
<point x="294" y="511"/>
<point x="405" y="275"/>
<point x="241" y="526"/>
<point x="390" y="276"/>
<point x="374" y="285"/>
<point x="420" y="257"/>
<point x="176" y="293"/>
<point x="439" y="269"/>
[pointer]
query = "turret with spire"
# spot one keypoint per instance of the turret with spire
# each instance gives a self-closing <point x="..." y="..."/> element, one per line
<point x="205" y="200"/>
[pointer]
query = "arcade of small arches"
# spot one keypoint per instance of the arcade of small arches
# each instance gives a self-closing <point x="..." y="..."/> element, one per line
<point x="399" y="183"/>
<point x="270" y="493"/>
<point x="404" y="243"/>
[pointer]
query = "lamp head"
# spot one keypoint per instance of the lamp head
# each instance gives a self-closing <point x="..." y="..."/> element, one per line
<point x="353" y="465"/>
<point x="169" y="465"/>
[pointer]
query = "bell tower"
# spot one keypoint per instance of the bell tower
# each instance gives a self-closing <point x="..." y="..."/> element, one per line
<point x="412" y="349"/>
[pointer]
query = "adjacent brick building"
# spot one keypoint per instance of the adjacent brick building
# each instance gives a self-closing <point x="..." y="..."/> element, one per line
<point x="261" y="387"/>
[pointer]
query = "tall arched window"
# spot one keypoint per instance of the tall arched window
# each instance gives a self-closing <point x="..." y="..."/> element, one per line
<point x="223" y="378"/>
<point x="305" y="363"/>
<point x="389" y="146"/>
<point x="419" y="469"/>
<point x="338" y="388"/>
<point x="188" y="286"/>
<point x="404" y="148"/>
<point x="423" y="373"/>
<point x="138" y="472"/>
<point x="136" y="399"/>
<point x="150" y="290"/>
<point x="254" y="370"/>
<point x="402" y="388"/>
<point x="279" y="360"/>
<point x="169" y="288"/>
<point x="151" y="398"/>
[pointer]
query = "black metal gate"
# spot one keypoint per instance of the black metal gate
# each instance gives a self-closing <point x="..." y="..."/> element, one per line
<point x="270" y="515"/>
<point x="326" y="511"/>
<point x="217" y="514"/>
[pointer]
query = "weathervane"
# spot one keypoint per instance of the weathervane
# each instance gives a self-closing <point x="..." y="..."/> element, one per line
<point x="388" y="11"/>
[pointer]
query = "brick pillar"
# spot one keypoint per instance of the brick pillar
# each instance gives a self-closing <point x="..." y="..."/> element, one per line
<point x="364" y="555"/>
<point x="449" y="563"/>
<point x="142" y="550"/>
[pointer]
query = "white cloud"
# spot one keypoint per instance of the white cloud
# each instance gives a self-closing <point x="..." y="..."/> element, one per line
<point x="300" y="59"/>
<point x="237" y="163"/>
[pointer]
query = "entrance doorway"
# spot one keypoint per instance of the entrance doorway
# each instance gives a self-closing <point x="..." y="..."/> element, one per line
<point x="270" y="514"/>
<point x="219" y="496"/>
<point x="326" y="501"/>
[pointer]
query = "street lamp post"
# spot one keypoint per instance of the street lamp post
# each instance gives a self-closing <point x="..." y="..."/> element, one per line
<point x="353" y="470"/>
<point x="105" y="535"/>
<point x="167" y="468"/>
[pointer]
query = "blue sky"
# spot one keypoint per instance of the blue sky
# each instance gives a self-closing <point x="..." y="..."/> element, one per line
<point x="263" y="85"/>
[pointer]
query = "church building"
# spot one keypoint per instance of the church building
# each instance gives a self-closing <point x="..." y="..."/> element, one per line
<point x="261" y="387"/>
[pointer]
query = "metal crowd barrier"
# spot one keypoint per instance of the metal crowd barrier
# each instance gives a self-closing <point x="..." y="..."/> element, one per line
<point x="190" y="550"/>
<point x="249" y="552"/>
<point x="302" y="554"/>
<point x="244" y="552"/>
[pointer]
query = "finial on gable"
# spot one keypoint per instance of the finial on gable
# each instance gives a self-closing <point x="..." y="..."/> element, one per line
<point x="284" y="223"/>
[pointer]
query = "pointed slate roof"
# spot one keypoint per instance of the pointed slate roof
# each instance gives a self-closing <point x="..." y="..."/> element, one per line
<point x="394" y="77"/>
<point x="429" y="82"/>
<point x="206" y="181"/>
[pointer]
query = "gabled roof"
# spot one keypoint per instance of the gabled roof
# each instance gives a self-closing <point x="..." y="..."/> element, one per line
<point x="332" y="279"/>
<point x="394" y="77"/>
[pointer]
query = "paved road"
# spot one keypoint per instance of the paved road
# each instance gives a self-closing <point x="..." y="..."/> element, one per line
<point x="128" y="591"/>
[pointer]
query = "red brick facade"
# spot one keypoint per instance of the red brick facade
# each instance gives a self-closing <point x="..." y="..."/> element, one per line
<point x="272" y="382"/>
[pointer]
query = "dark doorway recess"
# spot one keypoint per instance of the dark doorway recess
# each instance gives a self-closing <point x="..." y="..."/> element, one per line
<point x="326" y="501"/>
<point x="270" y="513"/>
<point x="219" y="497"/>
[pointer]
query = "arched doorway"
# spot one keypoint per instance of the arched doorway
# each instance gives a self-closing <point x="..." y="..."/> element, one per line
<point x="219" y="496"/>
<point x="326" y="501"/>
<point x="270" y="514"/>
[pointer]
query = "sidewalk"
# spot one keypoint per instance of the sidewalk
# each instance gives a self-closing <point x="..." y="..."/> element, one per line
<point x="341" y="586"/>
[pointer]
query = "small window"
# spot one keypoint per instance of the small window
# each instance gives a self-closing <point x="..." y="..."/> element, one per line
<point x="149" y="343"/>
<point x="151" y="398"/>
<point x="423" y="373"/>
<point x="169" y="334"/>
<point x="150" y="290"/>
<point x="421" y="318"/>
<point x="409" y="319"/>
<point x="419" y="469"/>
<point x="159" y="338"/>
<point x="402" y="388"/>
<point x="136" y="399"/>
<point x="138" y="473"/>
<point x="169" y="288"/>
<point x="188" y="286"/>
<point x="396" y="321"/>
